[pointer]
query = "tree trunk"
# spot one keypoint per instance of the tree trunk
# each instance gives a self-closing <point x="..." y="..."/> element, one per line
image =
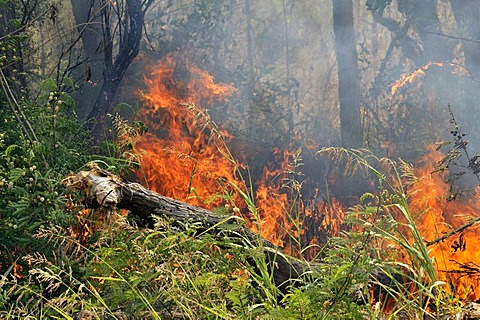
<point x="89" y="26"/>
<point x="14" y="68"/>
<point x="423" y="17"/>
<point x="249" y="93"/>
<point x="348" y="74"/>
<point x="467" y="15"/>
<point x="126" y="45"/>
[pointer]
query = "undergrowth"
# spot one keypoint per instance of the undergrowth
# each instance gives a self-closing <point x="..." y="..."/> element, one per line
<point x="378" y="267"/>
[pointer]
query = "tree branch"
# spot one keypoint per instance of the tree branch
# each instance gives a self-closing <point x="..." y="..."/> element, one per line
<point x="458" y="230"/>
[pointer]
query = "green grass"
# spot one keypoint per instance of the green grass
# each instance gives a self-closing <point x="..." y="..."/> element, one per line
<point x="177" y="271"/>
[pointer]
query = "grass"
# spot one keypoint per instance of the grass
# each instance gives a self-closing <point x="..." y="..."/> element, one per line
<point x="177" y="271"/>
<point x="410" y="285"/>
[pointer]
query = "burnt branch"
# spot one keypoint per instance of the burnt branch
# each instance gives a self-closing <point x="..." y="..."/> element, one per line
<point x="448" y="235"/>
<point x="452" y="161"/>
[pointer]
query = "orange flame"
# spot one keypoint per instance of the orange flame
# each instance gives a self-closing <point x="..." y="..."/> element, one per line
<point x="181" y="159"/>
<point x="272" y="201"/>
<point x="411" y="77"/>
<point x="437" y="217"/>
<point x="186" y="159"/>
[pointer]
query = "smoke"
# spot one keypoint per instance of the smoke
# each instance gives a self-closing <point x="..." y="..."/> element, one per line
<point x="281" y="57"/>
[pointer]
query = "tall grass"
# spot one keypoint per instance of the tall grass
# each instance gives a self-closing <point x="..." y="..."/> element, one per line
<point x="407" y="274"/>
<point x="183" y="271"/>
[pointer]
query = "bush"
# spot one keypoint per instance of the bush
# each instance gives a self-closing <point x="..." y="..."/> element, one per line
<point x="31" y="170"/>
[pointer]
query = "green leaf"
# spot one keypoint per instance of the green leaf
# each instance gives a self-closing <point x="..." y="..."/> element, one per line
<point x="21" y="206"/>
<point x="107" y="278"/>
<point x="64" y="314"/>
<point x="10" y="148"/>
<point x="378" y="5"/>
<point x="366" y="196"/>
<point x="15" y="174"/>
<point x="233" y="297"/>
<point x="231" y="226"/>
<point x="48" y="85"/>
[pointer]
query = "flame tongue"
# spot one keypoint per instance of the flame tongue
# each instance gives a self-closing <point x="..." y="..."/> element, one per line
<point x="419" y="72"/>
<point x="180" y="159"/>
<point x="458" y="255"/>
<point x="272" y="201"/>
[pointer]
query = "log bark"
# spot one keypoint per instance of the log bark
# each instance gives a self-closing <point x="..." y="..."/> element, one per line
<point x="106" y="191"/>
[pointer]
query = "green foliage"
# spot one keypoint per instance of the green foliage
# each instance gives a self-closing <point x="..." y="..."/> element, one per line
<point x="31" y="171"/>
<point x="338" y="290"/>
<point x="120" y="150"/>
<point x="180" y="271"/>
<point x="410" y="283"/>
<point x="153" y="274"/>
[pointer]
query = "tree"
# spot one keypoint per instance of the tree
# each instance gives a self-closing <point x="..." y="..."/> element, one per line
<point x="14" y="19"/>
<point x="89" y="26"/>
<point x="422" y="17"/>
<point x="121" y="33"/>
<point x="467" y="15"/>
<point x="348" y="74"/>
<point x="418" y="35"/>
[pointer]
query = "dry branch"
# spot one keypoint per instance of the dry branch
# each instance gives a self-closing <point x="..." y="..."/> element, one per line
<point x="458" y="230"/>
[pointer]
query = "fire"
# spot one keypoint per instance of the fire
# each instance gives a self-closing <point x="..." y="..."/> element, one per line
<point x="182" y="158"/>
<point x="458" y="255"/>
<point x="273" y="202"/>
<point x="410" y="77"/>
<point x="185" y="156"/>
<point x="286" y="219"/>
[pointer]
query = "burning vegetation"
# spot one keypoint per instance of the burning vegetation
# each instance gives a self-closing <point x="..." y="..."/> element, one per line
<point x="313" y="172"/>
<point x="186" y="156"/>
<point x="410" y="78"/>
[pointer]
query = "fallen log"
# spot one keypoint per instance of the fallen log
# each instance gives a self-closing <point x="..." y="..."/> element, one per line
<point x="104" y="190"/>
<point x="109" y="192"/>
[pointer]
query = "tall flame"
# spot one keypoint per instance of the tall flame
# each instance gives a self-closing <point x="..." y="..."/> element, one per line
<point x="180" y="159"/>
<point x="185" y="156"/>
<point x="272" y="202"/>
<point x="457" y="256"/>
